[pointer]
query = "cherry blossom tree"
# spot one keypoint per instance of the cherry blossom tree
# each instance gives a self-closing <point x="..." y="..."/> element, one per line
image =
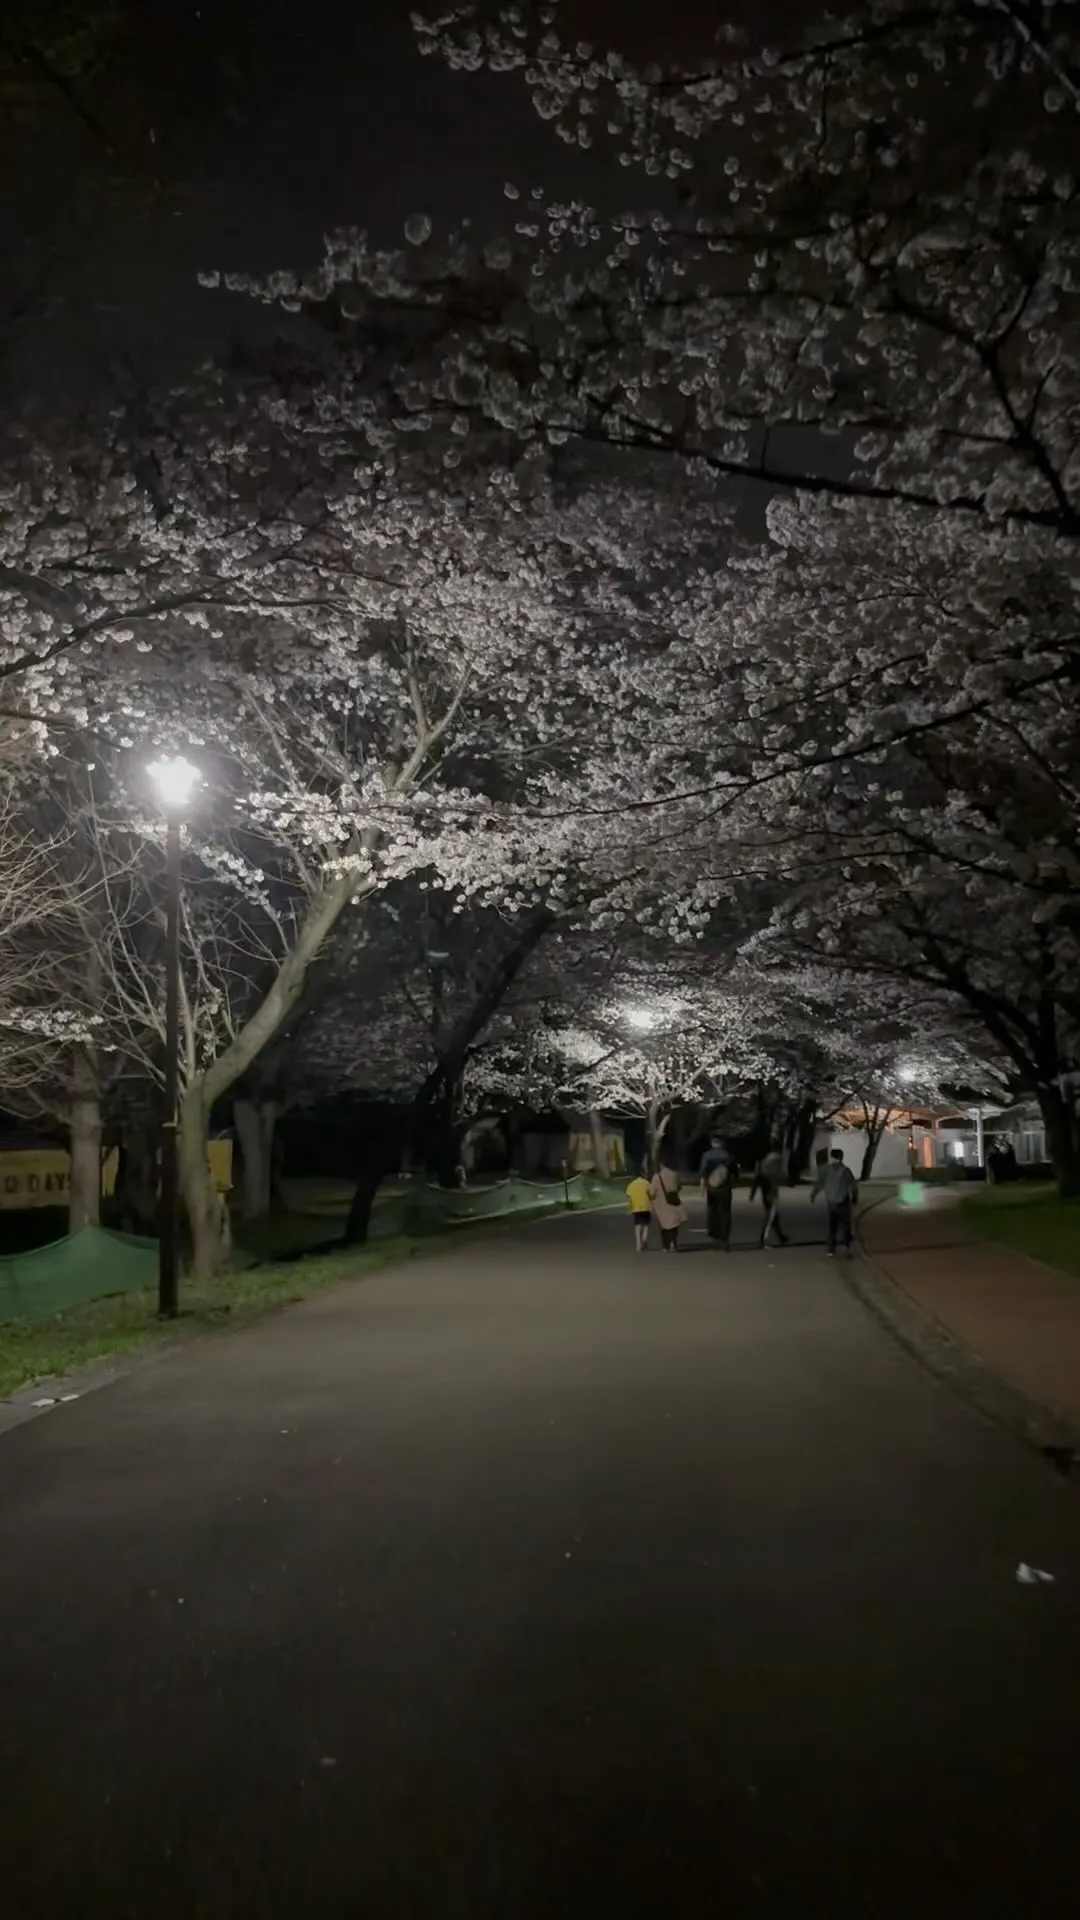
<point x="462" y="595"/>
<point x="918" y="920"/>
<point x="866" y="233"/>
<point x="401" y="1001"/>
<point x="845" y="263"/>
<point x="37" y="1022"/>
<point x="383" y="674"/>
<point x="931" y="741"/>
<point x="763" y="1047"/>
<point x="651" y="1035"/>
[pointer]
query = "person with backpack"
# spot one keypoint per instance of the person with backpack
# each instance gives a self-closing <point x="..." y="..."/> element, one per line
<point x="840" y="1187"/>
<point x="718" y="1186"/>
<point x="667" y="1206"/>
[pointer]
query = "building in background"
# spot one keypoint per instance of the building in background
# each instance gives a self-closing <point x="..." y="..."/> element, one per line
<point x="926" y="1140"/>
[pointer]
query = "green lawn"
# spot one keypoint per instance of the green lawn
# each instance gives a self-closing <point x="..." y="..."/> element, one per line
<point x="1032" y="1218"/>
<point x="33" y="1350"/>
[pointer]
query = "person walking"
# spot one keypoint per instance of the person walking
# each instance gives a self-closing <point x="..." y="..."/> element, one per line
<point x="768" y="1179"/>
<point x="840" y="1187"/>
<point x="718" y="1186"/>
<point x="667" y="1206"/>
<point x="639" y="1200"/>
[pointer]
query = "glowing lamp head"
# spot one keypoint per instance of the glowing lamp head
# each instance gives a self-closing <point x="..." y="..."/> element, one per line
<point x="175" y="782"/>
<point x="642" y="1019"/>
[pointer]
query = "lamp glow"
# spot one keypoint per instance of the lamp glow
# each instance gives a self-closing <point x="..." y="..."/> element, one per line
<point x="174" y="780"/>
<point x="642" y="1018"/>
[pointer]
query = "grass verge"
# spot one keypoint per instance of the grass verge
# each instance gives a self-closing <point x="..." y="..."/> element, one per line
<point x="34" y="1350"/>
<point x="1033" y="1219"/>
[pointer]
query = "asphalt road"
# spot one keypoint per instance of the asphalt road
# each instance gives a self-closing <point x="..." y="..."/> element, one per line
<point x="538" y="1581"/>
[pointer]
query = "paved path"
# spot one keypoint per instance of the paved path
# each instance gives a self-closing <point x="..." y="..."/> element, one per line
<point x="537" y="1583"/>
<point x="1020" y="1316"/>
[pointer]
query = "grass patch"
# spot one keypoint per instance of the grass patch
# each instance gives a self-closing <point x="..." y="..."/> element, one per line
<point x="1032" y="1218"/>
<point x="33" y="1350"/>
<point x="281" y="1234"/>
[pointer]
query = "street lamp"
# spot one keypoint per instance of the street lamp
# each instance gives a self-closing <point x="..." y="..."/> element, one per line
<point x="642" y="1018"/>
<point x="174" y="781"/>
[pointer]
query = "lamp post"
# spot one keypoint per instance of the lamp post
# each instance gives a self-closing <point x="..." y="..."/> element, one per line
<point x="173" y="780"/>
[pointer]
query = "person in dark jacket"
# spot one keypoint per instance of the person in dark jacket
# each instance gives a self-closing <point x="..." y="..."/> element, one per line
<point x="837" y="1182"/>
<point x="718" y="1185"/>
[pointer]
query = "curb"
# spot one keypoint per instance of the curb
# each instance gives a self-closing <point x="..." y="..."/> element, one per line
<point x="1041" y="1427"/>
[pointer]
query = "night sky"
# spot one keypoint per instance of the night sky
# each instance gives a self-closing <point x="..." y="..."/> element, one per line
<point x="271" y="123"/>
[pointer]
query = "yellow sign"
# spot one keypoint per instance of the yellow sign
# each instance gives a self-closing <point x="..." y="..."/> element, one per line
<point x="41" y="1176"/>
<point x="581" y="1153"/>
<point x="219" y="1154"/>
<point x="34" y="1177"/>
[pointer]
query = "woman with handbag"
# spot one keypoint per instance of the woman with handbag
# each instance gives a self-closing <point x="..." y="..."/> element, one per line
<point x="667" y="1206"/>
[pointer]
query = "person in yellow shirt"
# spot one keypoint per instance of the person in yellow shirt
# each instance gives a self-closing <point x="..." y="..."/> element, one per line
<point x="639" y="1199"/>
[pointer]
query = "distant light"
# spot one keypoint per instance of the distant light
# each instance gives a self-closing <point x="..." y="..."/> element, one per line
<point x="643" y="1018"/>
<point x="908" y="1073"/>
<point x="174" y="780"/>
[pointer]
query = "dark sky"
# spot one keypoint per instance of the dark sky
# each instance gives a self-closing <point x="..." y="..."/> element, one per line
<point x="272" y="123"/>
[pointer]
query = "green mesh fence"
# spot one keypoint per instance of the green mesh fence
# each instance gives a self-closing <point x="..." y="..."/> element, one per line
<point x="430" y="1209"/>
<point x="95" y="1263"/>
<point x="422" y="1208"/>
<point x="83" y="1266"/>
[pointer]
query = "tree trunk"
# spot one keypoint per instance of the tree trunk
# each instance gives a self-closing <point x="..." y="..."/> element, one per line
<point x="136" y="1180"/>
<point x="1062" y="1123"/>
<point x="511" y="1137"/>
<point x="358" y="1224"/>
<point x="651" y="1143"/>
<point x="255" y="1121"/>
<point x="204" y="1209"/>
<point x="478" y="1141"/>
<point x="875" y="1122"/>
<point x="599" y="1144"/>
<point x="434" y="1129"/>
<point x="84" y="1198"/>
<point x="444" y="1153"/>
<point x="284" y="992"/>
<point x="84" y="1141"/>
<point x="384" y="1160"/>
<point x="799" y="1138"/>
<point x="277" y="1167"/>
<point x="679" y="1131"/>
<point x="656" y="1126"/>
